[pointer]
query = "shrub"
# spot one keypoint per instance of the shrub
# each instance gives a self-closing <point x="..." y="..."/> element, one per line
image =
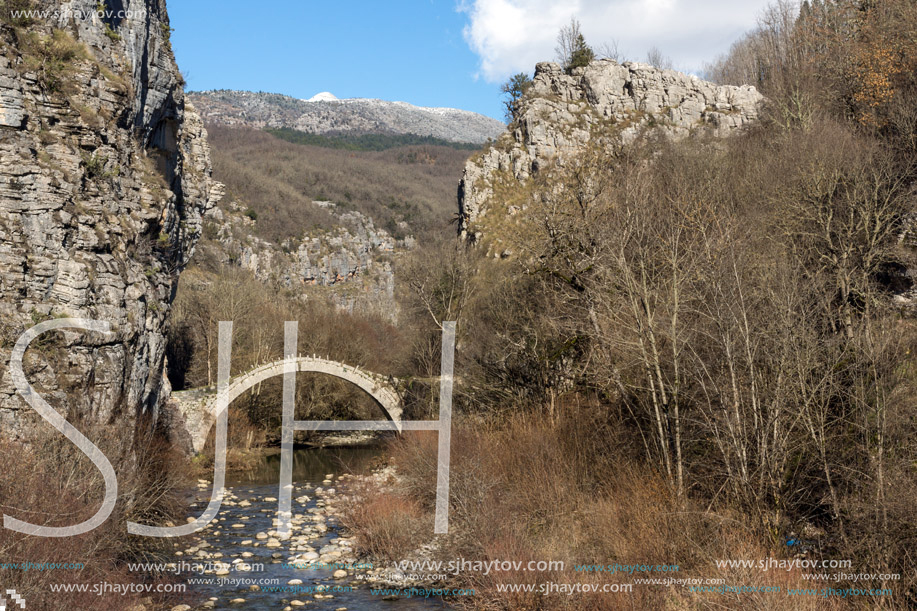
<point x="51" y="57"/>
<point x="112" y="35"/>
<point x="387" y="525"/>
<point x="94" y="165"/>
<point x="531" y="489"/>
<point x="51" y="482"/>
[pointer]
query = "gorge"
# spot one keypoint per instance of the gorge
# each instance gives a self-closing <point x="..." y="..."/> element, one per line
<point x="685" y="329"/>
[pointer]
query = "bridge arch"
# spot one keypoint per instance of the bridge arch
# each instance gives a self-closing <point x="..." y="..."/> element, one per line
<point x="197" y="405"/>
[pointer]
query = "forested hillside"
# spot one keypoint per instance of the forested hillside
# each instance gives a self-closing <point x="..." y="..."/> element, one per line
<point x="409" y="190"/>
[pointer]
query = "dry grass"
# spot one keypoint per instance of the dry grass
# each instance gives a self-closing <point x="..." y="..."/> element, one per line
<point x="530" y="490"/>
<point x="52" y="483"/>
<point x="387" y="525"/>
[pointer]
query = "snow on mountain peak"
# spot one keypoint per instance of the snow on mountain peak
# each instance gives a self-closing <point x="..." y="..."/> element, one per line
<point x="325" y="96"/>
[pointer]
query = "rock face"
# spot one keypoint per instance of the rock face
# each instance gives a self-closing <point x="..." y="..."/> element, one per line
<point x="352" y="264"/>
<point x="323" y="115"/>
<point x="104" y="177"/>
<point x="561" y="113"/>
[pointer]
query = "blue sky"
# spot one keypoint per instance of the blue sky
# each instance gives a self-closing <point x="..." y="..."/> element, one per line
<point x="428" y="52"/>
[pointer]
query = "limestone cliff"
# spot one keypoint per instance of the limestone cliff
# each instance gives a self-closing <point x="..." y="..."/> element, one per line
<point x="560" y="113"/>
<point x="104" y="177"/>
<point x="350" y="265"/>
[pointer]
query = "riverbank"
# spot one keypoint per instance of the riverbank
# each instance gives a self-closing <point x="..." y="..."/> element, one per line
<point x="240" y="561"/>
<point x="244" y="459"/>
<point x="532" y="502"/>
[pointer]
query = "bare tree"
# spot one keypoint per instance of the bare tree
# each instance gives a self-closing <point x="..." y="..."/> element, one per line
<point x="656" y="58"/>
<point x="610" y="50"/>
<point x="567" y="40"/>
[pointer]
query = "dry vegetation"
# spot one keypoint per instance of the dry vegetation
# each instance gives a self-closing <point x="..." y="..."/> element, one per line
<point x="204" y="299"/>
<point x="52" y="483"/>
<point x="694" y="352"/>
<point x="571" y="490"/>
<point x="408" y="190"/>
<point x="414" y="184"/>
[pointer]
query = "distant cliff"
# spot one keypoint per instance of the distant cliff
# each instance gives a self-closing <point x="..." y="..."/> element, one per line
<point x="604" y="102"/>
<point x="104" y="178"/>
<point x="324" y="115"/>
<point x="350" y="265"/>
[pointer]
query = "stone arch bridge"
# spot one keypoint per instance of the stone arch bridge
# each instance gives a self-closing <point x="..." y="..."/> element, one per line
<point x="197" y="405"/>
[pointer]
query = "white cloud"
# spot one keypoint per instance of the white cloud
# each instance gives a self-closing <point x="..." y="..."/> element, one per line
<point x="510" y="36"/>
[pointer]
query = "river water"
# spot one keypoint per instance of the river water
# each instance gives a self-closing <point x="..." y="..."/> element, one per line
<point x="249" y="510"/>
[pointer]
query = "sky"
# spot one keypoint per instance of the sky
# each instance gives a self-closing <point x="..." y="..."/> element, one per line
<point x="453" y="53"/>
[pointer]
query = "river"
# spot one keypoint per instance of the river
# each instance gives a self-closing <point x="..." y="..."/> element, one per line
<point x="247" y="514"/>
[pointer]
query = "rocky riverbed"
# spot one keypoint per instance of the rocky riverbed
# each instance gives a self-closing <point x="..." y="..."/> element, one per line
<point x="240" y="562"/>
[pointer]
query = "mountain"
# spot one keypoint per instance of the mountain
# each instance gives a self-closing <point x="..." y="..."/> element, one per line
<point x="326" y="114"/>
<point x="325" y="196"/>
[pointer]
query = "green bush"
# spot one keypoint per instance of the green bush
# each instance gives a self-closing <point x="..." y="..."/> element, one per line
<point x="114" y="36"/>
<point x="50" y="57"/>
<point x="515" y="88"/>
<point x="11" y="13"/>
<point x="582" y="54"/>
<point x="95" y="165"/>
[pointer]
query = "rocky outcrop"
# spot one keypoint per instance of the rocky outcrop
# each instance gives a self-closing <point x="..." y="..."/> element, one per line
<point x="323" y="115"/>
<point x="351" y="264"/>
<point x="104" y="178"/>
<point x="560" y="113"/>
